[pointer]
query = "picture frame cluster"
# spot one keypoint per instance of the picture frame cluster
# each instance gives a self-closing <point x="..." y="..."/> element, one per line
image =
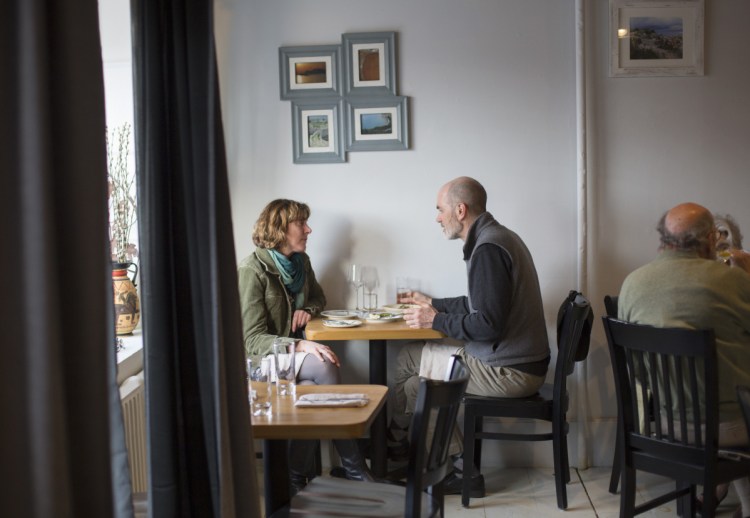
<point x="344" y="97"/>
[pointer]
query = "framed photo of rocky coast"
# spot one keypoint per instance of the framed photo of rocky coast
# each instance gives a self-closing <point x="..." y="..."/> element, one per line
<point x="317" y="131"/>
<point x="306" y="72"/>
<point x="369" y="63"/>
<point x="656" y="38"/>
<point x="377" y="124"/>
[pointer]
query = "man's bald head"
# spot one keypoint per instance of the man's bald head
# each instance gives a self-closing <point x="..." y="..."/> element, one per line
<point x="688" y="227"/>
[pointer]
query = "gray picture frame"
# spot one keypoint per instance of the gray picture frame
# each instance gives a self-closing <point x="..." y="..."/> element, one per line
<point x="372" y="53"/>
<point x="325" y="83"/>
<point x="306" y="139"/>
<point x="393" y="136"/>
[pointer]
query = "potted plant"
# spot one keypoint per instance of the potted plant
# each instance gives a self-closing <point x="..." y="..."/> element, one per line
<point x="122" y="215"/>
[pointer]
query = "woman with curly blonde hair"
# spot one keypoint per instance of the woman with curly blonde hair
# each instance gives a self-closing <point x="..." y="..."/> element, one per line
<point x="278" y="296"/>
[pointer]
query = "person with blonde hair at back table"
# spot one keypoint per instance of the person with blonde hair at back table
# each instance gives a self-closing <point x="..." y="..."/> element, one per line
<point x="729" y="243"/>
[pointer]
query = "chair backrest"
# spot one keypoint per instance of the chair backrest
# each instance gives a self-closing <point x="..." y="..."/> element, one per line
<point x="435" y="411"/>
<point x="678" y="367"/>
<point x="573" y="335"/>
<point x="610" y="305"/>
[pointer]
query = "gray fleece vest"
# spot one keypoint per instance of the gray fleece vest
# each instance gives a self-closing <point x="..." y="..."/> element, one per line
<point x="525" y="338"/>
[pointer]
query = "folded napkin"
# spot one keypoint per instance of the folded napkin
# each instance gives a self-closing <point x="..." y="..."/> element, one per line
<point x="321" y="399"/>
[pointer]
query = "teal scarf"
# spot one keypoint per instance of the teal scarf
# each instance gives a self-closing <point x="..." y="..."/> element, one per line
<point x="292" y="272"/>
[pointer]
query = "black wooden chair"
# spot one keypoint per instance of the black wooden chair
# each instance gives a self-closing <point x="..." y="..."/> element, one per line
<point x="436" y="409"/>
<point x="678" y="367"/>
<point x="550" y="404"/>
<point x="610" y="306"/>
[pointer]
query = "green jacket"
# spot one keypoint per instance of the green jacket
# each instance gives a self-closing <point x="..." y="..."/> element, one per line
<point x="267" y="308"/>
<point x="679" y="289"/>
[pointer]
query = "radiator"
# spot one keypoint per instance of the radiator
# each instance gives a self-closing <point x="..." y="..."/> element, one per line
<point x="132" y="395"/>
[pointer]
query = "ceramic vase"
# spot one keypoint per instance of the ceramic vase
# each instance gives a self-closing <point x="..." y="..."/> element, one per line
<point x="127" y="305"/>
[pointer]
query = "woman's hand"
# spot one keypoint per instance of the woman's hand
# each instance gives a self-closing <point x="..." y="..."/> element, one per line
<point x="300" y="319"/>
<point x="320" y="351"/>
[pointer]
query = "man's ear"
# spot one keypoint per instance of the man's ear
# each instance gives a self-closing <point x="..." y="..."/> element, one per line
<point x="461" y="211"/>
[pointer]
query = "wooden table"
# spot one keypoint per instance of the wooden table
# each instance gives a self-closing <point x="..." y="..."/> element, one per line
<point x="376" y="334"/>
<point x="290" y="422"/>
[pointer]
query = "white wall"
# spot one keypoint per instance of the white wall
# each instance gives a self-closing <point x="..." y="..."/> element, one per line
<point x="492" y="93"/>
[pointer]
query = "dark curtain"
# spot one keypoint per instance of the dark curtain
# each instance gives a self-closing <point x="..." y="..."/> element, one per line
<point x="200" y="448"/>
<point x="61" y="416"/>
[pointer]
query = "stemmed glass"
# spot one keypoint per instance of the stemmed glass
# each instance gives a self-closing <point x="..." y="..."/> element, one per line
<point x="370" y="281"/>
<point x="355" y="279"/>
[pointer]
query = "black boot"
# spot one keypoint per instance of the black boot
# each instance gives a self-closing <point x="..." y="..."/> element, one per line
<point x="301" y="463"/>
<point x="353" y="461"/>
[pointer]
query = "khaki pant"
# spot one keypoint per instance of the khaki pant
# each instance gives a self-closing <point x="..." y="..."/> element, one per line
<point x="430" y="360"/>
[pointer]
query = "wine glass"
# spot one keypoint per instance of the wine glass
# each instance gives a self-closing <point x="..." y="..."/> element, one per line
<point x="355" y="279"/>
<point x="370" y="281"/>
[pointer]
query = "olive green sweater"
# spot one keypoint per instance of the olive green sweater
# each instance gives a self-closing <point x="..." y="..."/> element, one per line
<point x="267" y="308"/>
<point x="680" y="289"/>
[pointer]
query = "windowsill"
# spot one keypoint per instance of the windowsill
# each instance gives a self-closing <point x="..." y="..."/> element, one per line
<point x="130" y="358"/>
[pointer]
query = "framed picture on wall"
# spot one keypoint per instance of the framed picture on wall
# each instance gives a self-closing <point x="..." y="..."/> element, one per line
<point x="377" y="124"/>
<point x="317" y="131"/>
<point x="306" y="72"/>
<point x="369" y="63"/>
<point x="656" y="38"/>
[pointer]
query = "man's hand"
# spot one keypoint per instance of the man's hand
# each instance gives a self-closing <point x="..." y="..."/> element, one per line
<point x="300" y="319"/>
<point x="414" y="297"/>
<point x="740" y="259"/>
<point x="420" y="317"/>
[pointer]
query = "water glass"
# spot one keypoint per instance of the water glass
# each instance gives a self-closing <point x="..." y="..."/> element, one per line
<point x="283" y="355"/>
<point x="259" y="384"/>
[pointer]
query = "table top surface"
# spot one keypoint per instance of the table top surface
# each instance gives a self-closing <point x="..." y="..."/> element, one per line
<point x="290" y="422"/>
<point x="396" y="330"/>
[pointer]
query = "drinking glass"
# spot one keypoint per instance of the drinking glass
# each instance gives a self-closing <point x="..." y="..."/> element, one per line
<point x="283" y="355"/>
<point x="259" y="384"/>
<point x="402" y="288"/>
<point x="370" y="281"/>
<point x="355" y="279"/>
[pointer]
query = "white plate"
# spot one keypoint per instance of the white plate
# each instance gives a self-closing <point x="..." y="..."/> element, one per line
<point x="342" y="323"/>
<point x="339" y="314"/>
<point x="382" y="319"/>
<point x="399" y="308"/>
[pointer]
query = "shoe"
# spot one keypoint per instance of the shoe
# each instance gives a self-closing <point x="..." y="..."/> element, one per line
<point x="453" y="485"/>
<point x="352" y="461"/>
<point x="722" y="491"/>
<point x="398" y="451"/>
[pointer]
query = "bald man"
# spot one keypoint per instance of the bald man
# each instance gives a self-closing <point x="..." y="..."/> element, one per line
<point x="686" y="287"/>
<point x="498" y="329"/>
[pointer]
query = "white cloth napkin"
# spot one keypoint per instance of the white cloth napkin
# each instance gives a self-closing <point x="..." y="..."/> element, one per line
<point x="338" y="399"/>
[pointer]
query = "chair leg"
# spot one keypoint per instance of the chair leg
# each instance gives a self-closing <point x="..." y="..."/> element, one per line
<point x="614" y="478"/>
<point x="560" y="458"/>
<point x="470" y="424"/>
<point x="627" y="493"/>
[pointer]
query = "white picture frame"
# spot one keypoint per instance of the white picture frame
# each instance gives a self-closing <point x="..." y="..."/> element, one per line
<point x="656" y="38"/>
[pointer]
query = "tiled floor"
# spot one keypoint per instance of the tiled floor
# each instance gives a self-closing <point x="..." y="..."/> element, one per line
<point x="521" y="493"/>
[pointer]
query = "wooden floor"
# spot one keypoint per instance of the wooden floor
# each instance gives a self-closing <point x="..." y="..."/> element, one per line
<point x="521" y="493"/>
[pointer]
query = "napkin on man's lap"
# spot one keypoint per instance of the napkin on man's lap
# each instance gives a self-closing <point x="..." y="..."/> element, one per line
<point x="337" y="399"/>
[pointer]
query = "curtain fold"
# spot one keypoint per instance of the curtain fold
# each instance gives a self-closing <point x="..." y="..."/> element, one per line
<point x="58" y="395"/>
<point x="200" y="443"/>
